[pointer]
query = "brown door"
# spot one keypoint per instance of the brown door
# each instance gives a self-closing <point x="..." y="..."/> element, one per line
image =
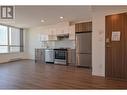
<point x="116" y="46"/>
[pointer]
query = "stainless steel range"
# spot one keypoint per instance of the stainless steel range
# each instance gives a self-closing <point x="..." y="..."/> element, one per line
<point x="60" y="56"/>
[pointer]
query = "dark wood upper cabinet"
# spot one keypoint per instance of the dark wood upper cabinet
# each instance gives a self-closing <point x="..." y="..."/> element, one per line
<point x="83" y="27"/>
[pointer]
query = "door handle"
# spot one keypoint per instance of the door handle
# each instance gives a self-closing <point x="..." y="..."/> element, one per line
<point x="108" y="46"/>
<point x="107" y="40"/>
<point x="108" y="43"/>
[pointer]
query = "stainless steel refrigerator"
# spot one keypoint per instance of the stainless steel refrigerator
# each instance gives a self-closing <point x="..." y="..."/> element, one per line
<point x="84" y="49"/>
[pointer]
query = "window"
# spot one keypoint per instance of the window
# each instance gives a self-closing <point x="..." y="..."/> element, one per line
<point x="14" y="39"/>
<point x="3" y="35"/>
<point x="3" y="39"/>
<point x="11" y="39"/>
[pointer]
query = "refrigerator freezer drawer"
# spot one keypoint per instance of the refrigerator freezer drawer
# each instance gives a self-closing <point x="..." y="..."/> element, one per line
<point x="83" y="60"/>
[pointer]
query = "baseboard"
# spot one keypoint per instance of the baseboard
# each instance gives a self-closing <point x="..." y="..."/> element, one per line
<point x="14" y="59"/>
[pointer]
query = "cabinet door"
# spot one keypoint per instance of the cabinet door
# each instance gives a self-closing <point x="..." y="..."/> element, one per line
<point x="39" y="56"/>
<point x="52" y="34"/>
<point x="76" y="28"/>
<point x="43" y="37"/>
<point x="72" y="57"/>
<point x="52" y="37"/>
<point x="79" y="27"/>
<point x="69" y="57"/>
<point x="63" y="30"/>
<point x="89" y="26"/>
<point x="72" y="32"/>
<point x="83" y="27"/>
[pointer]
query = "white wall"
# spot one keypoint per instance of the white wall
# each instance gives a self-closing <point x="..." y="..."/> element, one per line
<point x="33" y="36"/>
<point x="5" y="57"/>
<point x="98" y="36"/>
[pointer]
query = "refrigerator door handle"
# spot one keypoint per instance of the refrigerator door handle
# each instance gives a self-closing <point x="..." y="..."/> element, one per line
<point x="77" y="45"/>
<point x="85" y="53"/>
<point x="77" y="60"/>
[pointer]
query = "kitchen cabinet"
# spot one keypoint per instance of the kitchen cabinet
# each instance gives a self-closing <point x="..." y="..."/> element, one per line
<point x="62" y="30"/>
<point x="48" y="37"/>
<point x="52" y="34"/>
<point x="43" y="37"/>
<point x="39" y="56"/>
<point x="72" y="32"/>
<point x="52" y="37"/>
<point x="71" y="57"/>
<point x="83" y="27"/>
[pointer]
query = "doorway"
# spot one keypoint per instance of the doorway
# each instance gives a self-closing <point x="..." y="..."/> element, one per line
<point x="116" y="46"/>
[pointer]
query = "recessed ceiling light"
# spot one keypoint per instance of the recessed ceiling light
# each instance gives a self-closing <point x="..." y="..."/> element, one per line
<point x="42" y="20"/>
<point x="61" y="17"/>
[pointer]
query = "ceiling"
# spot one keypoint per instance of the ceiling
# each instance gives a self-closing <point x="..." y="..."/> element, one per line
<point x="30" y="16"/>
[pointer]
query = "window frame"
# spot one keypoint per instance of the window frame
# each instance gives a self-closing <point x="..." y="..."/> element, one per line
<point x="21" y="46"/>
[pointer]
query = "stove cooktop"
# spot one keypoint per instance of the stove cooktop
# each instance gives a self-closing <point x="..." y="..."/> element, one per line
<point x="61" y="49"/>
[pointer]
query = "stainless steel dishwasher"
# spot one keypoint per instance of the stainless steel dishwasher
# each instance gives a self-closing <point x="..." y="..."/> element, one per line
<point x="49" y="55"/>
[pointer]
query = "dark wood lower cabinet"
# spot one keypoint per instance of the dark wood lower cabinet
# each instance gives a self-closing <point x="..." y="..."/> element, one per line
<point x="39" y="56"/>
<point x="116" y="49"/>
<point x="72" y="57"/>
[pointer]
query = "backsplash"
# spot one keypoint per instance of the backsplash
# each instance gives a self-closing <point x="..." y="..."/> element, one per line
<point x="65" y="44"/>
<point x="59" y="44"/>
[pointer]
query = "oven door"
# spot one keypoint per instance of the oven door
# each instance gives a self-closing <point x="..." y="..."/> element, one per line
<point x="60" y="57"/>
<point x="59" y="54"/>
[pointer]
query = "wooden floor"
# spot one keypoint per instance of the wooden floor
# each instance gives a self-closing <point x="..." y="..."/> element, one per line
<point x="26" y="74"/>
